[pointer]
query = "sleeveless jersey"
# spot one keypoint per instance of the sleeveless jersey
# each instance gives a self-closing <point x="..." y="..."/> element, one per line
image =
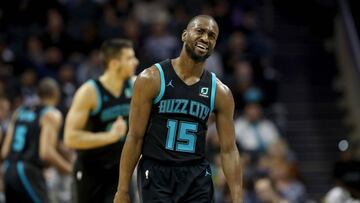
<point x="101" y="119"/>
<point x="26" y="136"/>
<point x="178" y="121"/>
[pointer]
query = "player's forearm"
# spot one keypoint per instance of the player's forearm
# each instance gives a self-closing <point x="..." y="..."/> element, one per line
<point x="79" y="139"/>
<point x="233" y="173"/>
<point x="54" y="158"/>
<point x="7" y="142"/>
<point x="5" y="150"/>
<point x="129" y="158"/>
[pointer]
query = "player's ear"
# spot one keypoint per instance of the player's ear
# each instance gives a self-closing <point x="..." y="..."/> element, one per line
<point x="112" y="63"/>
<point x="183" y="35"/>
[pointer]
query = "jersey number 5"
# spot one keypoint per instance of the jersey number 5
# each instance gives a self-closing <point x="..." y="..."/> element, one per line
<point x="19" y="139"/>
<point x="181" y="136"/>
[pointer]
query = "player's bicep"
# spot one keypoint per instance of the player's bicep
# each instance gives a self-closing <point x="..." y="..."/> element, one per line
<point x="224" y="110"/>
<point x="145" y="89"/>
<point x="80" y="109"/>
<point x="50" y="126"/>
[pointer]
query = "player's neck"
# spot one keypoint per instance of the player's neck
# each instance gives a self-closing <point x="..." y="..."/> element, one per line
<point x="187" y="66"/>
<point x="112" y="82"/>
<point x="48" y="102"/>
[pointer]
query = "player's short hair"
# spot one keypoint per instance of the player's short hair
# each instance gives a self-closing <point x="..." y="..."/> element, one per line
<point x="112" y="48"/>
<point x="48" y="88"/>
<point x="191" y="21"/>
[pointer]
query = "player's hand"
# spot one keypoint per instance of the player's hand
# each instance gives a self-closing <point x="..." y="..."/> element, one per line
<point x="118" y="129"/>
<point x="121" y="197"/>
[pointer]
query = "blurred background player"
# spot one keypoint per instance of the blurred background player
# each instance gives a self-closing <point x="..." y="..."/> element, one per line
<point x="96" y="126"/>
<point x="30" y="144"/>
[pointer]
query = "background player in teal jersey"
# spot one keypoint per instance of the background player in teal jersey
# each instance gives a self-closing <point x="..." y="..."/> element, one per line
<point x="31" y="143"/>
<point x="95" y="125"/>
<point x="169" y="109"/>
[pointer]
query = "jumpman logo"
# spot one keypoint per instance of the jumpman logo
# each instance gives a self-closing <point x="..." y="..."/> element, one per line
<point x="170" y="84"/>
<point x="207" y="173"/>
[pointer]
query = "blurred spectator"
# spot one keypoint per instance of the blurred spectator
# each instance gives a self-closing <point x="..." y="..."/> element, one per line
<point x="89" y="39"/>
<point x="160" y="44"/>
<point x="221" y="13"/>
<point x="6" y="54"/>
<point x="243" y="85"/>
<point x="132" y="31"/>
<point x="258" y="45"/>
<point x="236" y="50"/>
<point x="179" y="20"/>
<point x="68" y="86"/>
<point x="278" y="150"/>
<point x="80" y="13"/>
<point x="7" y="57"/>
<point x="214" y="64"/>
<point x="34" y="56"/>
<point x="269" y="78"/>
<point x="110" y="26"/>
<point x="266" y="191"/>
<point x="28" y="88"/>
<point x="340" y="194"/>
<point x="346" y="173"/>
<point x="53" y="60"/>
<point x="55" y="35"/>
<point x="254" y="133"/>
<point x="89" y="69"/>
<point x="285" y="182"/>
<point x="151" y="11"/>
<point x="123" y="8"/>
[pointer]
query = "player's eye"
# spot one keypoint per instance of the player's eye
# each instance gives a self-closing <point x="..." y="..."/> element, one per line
<point x="211" y="36"/>
<point x="199" y="31"/>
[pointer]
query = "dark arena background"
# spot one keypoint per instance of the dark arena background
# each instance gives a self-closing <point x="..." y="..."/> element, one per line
<point x="293" y="67"/>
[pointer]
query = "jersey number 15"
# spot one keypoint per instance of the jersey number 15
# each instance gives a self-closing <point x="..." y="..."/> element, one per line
<point x="181" y="136"/>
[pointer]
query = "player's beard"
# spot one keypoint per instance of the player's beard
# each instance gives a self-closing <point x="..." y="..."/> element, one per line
<point x="194" y="56"/>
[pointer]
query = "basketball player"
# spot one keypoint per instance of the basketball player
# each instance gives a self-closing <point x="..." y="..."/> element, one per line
<point x="95" y="124"/>
<point x="30" y="144"/>
<point x="169" y="110"/>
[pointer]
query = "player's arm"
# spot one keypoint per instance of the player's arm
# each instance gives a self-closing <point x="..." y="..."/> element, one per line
<point x="50" y="124"/>
<point x="146" y="87"/>
<point x="75" y="136"/>
<point x="8" y="137"/>
<point x="230" y="158"/>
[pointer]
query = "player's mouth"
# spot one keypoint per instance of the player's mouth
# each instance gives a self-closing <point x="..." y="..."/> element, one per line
<point x="202" y="47"/>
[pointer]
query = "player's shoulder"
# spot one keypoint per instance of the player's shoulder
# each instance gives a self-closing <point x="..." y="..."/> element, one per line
<point x="88" y="86"/>
<point x="53" y="111"/>
<point x="149" y="72"/>
<point x="224" y="97"/>
<point x="51" y="114"/>
<point x="149" y="75"/>
<point x="221" y="88"/>
<point x="87" y="91"/>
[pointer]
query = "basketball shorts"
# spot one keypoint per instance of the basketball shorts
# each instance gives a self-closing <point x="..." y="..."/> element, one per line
<point x="175" y="183"/>
<point x="24" y="183"/>
<point x="95" y="183"/>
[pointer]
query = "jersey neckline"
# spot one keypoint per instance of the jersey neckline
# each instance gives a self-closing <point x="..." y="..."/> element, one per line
<point x="182" y="81"/>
